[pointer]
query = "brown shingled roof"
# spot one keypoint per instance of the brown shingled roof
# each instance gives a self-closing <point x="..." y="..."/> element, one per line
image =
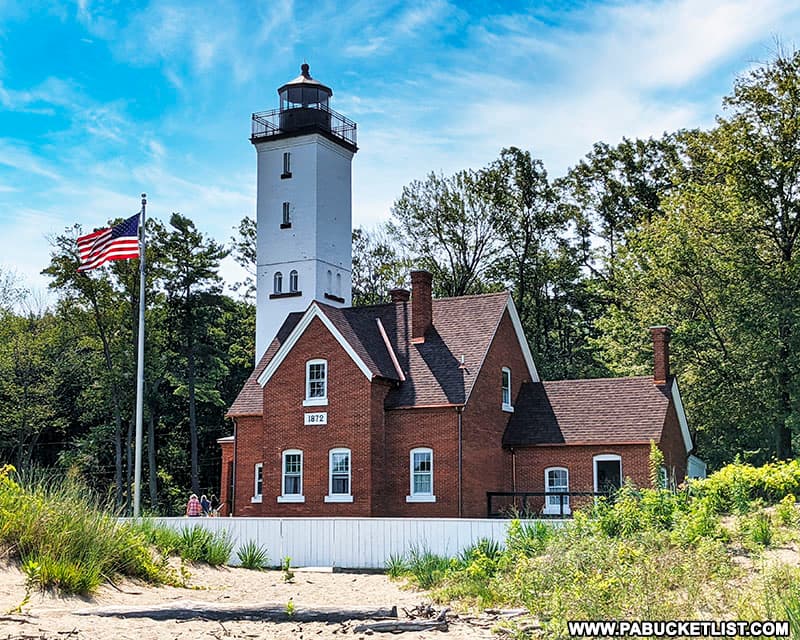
<point x="462" y="326"/>
<point x="599" y="411"/>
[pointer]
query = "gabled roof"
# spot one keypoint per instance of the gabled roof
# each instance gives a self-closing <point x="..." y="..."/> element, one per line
<point x="597" y="411"/>
<point x="430" y="372"/>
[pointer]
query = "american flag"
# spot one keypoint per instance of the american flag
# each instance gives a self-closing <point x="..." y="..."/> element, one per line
<point x="117" y="243"/>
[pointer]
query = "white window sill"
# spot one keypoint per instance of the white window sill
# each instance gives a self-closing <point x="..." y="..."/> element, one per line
<point x="256" y="499"/>
<point x="508" y="408"/>
<point x="420" y="498"/>
<point x="556" y="512"/>
<point x="291" y="498"/>
<point x="338" y="498"/>
<point x="315" y="402"/>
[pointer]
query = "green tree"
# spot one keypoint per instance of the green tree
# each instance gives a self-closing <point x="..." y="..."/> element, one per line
<point x="377" y="267"/>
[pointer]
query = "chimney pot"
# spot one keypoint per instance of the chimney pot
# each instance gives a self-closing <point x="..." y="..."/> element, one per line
<point x="421" y="304"/>
<point x="399" y="295"/>
<point x="661" y="336"/>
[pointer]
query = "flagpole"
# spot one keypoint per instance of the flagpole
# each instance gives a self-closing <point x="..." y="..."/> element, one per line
<point x="137" y="474"/>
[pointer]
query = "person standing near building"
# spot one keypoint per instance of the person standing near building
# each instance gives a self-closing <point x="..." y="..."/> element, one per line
<point x="205" y="505"/>
<point x="193" y="507"/>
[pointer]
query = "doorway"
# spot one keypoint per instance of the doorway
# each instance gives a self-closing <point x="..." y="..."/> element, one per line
<point x="607" y="473"/>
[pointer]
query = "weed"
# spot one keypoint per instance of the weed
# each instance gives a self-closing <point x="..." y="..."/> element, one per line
<point x="757" y="529"/>
<point x="425" y="568"/>
<point x="288" y="574"/>
<point x="786" y="511"/>
<point x="252" y="556"/>
<point x="290" y="608"/>
<point x="396" y="566"/>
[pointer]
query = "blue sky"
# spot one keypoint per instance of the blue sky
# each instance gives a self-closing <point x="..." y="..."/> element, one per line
<point x="100" y="101"/>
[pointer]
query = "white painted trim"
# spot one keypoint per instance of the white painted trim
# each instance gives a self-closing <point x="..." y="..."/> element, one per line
<point x="316" y="401"/>
<point x="548" y="509"/>
<point x="312" y="312"/>
<point x="507" y="406"/>
<point x="392" y="355"/>
<point x="605" y="457"/>
<point x="256" y="499"/>
<point x="259" y="467"/>
<point x="676" y="398"/>
<point x="340" y="497"/>
<point x="523" y="341"/>
<point x="225" y="439"/>
<point x="291" y="497"/>
<point x="419" y="497"/>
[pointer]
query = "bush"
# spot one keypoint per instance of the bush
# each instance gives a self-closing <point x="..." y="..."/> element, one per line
<point x="786" y="511"/>
<point x="426" y="569"/>
<point x="756" y="529"/>
<point x="529" y="538"/>
<point x="67" y="538"/>
<point x="735" y="485"/>
<point x="253" y="556"/>
<point x="200" y="545"/>
<point x="396" y="566"/>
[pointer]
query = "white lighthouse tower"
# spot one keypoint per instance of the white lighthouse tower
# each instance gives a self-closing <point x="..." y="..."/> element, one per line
<point x="304" y="205"/>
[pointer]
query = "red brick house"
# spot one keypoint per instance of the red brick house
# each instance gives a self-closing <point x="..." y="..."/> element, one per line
<point x="421" y="406"/>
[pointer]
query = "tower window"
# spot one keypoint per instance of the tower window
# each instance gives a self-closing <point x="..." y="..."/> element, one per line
<point x="277" y="281"/>
<point x="330" y="281"/>
<point x="287" y="222"/>
<point x="287" y="165"/>
<point x="338" y="284"/>
<point x="293" y="280"/>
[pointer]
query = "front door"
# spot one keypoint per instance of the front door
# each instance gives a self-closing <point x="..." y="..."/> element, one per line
<point x="608" y="474"/>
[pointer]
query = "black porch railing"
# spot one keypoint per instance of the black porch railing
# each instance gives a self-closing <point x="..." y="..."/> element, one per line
<point x="319" y="118"/>
<point x="538" y="504"/>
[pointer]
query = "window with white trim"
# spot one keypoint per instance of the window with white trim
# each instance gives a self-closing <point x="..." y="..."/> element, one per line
<point x="339" y="476"/>
<point x="421" y="475"/>
<point x="292" y="476"/>
<point x="316" y="383"/>
<point x="258" y="482"/>
<point x="277" y="282"/>
<point x="556" y="480"/>
<point x="293" y="280"/>
<point x="506" y="387"/>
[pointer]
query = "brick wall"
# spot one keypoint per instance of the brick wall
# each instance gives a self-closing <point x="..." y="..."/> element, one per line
<point x="487" y="466"/>
<point x="673" y="447"/>
<point x="351" y="403"/>
<point x="407" y="429"/>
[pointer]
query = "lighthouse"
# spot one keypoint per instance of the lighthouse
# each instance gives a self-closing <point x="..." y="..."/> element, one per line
<point x="303" y="205"/>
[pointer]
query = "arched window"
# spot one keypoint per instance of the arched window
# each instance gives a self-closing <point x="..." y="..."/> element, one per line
<point x="292" y="476"/>
<point x="338" y="284"/>
<point x="556" y="480"/>
<point x="339" y="476"/>
<point x="421" y="475"/>
<point x="277" y="282"/>
<point x="293" y="280"/>
<point x="330" y="282"/>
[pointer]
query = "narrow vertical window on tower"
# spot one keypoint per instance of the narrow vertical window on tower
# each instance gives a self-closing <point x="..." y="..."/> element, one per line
<point x="293" y="281"/>
<point x="287" y="165"/>
<point x="338" y="284"/>
<point x="287" y="222"/>
<point x="277" y="282"/>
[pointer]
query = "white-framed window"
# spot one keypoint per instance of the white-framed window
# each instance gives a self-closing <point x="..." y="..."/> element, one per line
<point x="421" y="475"/>
<point x="663" y="477"/>
<point x="293" y="280"/>
<point x="287" y="163"/>
<point x="607" y="468"/>
<point x="286" y="218"/>
<point x="339" y="476"/>
<point x="556" y="480"/>
<point x="277" y="282"/>
<point x="258" y="482"/>
<point x="505" y="381"/>
<point x="292" y="476"/>
<point x="316" y="383"/>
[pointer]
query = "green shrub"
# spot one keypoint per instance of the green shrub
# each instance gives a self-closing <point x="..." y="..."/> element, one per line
<point x="200" y="545"/>
<point x="286" y="567"/>
<point x="756" y="529"/>
<point x="697" y="522"/>
<point x="66" y="537"/>
<point x="529" y="538"/>
<point x="786" y="511"/>
<point x="426" y="569"/>
<point x="396" y="566"/>
<point x="737" y="483"/>
<point x="253" y="556"/>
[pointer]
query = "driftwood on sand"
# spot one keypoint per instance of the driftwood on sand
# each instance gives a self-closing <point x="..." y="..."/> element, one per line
<point x="398" y="626"/>
<point x="191" y="610"/>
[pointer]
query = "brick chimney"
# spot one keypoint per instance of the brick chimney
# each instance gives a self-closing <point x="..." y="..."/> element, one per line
<point x="660" y="354"/>
<point x="399" y="295"/>
<point x="421" y="304"/>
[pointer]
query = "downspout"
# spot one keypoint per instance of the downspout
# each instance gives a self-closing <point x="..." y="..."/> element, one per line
<point x="235" y="467"/>
<point x="513" y="470"/>
<point x="459" y="411"/>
